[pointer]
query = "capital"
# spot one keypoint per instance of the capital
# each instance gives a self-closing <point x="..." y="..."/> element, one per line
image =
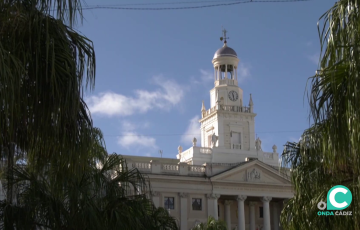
<point x="155" y="193"/>
<point x="183" y="195"/>
<point x="241" y="198"/>
<point x="228" y="202"/>
<point x="252" y="203"/>
<point x="266" y="199"/>
<point x="212" y="196"/>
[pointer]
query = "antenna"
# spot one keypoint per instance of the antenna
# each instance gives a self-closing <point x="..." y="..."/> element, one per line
<point x="161" y="152"/>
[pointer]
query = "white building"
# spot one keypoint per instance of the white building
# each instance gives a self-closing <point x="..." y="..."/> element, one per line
<point x="228" y="176"/>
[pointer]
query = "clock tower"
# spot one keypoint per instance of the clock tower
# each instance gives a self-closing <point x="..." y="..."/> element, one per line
<point x="228" y="123"/>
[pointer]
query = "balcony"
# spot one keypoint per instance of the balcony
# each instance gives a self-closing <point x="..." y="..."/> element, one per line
<point x="226" y="82"/>
<point x="193" y="151"/>
<point x="183" y="169"/>
<point x="230" y="108"/>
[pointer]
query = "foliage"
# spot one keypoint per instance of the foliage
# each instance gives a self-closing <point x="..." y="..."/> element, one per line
<point x="107" y="195"/>
<point x="54" y="163"/>
<point x="211" y="224"/>
<point x="42" y="67"/>
<point x="328" y="153"/>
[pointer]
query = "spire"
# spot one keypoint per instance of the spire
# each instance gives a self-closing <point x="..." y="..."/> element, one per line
<point x="203" y="107"/>
<point x="251" y="101"/>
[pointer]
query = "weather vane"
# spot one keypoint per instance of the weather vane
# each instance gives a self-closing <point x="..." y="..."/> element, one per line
<point x="224" y="36"/>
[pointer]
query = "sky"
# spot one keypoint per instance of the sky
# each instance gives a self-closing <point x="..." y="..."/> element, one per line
<point x="154" y="69"/>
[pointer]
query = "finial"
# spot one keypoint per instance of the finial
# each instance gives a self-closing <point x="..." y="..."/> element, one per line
<point x="224" y="37"/>
<point x="203" y="106"/>
<point x="251" y="101"/>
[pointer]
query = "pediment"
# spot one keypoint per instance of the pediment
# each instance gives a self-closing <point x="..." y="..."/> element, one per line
<point x="252" y="172"/>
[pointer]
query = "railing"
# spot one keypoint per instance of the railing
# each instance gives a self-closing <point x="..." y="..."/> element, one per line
<point x="241" y="109"/>
<point x="237" y="109"/>
<point x="142" y="165"/>
<point x="197" y="169"/>
<point x="185" y="155"/>
<point x="205" y="150"/>
<point x="170" y="167"/>
<point x="166" y="168"/>
<point x="269" y="155"/>
<point x="209" y="111"/>
<point x="226" y="82"/>
<point x="236" y="146"/>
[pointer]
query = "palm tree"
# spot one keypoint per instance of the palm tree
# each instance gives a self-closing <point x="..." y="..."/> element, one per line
<point x="45" y="66"/>
<point x="57" y="168"/>
<point x="107" y="195"/>
<point x="211" y="224"/>
<point x="328" y="153"/>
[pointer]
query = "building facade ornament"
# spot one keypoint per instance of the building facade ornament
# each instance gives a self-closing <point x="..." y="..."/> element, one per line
<point x="266" y="199"/>
<point x="274" y="148"/>
<point x="253" y="175"/>
<point x="258" y="144"/>
<point x="241" y="198"/>
<point x="253" y="203"/>
<point x="228" y="202"/>
<point x="180" y="149"/>
<point x="155" y="193"/>
<point x="212" y="196"/>
<point x="194" y="141"/>
<point x="214" y="139"/>
<point x="183" y="194"/>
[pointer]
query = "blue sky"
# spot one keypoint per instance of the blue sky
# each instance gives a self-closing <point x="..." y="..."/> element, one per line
<point x="154" y="69"/>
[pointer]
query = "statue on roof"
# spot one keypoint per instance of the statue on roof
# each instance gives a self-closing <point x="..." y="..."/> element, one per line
<point x="258" y="144"/>
<point x="214" y="138"/>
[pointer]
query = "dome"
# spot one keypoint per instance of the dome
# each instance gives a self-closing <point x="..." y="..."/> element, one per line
<point x="225" y="51"/>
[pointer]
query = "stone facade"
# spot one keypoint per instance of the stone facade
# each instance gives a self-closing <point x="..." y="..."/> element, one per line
<point x="228" y="176"/>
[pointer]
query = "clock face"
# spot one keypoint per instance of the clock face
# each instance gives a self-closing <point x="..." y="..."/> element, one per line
<point x="233" y="95"/>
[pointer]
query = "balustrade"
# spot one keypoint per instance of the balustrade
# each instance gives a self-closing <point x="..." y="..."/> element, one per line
<point x="170" y="167"/>
<point x="237" y="109"/>
<point x="268" y="155"/>
<point x="205" y="150"/>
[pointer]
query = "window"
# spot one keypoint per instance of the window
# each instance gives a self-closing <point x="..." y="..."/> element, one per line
<point x="261" y="212"/>
<point x="169" y="203"/>
<point x="196" y="204"/>
<point x="209" y="141"/>
<point x="236" y="140"/>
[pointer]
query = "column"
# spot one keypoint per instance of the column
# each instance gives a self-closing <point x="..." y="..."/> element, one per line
<point x="276" y="216"/>
<point x="241" y="212"/>
<point x="226" y="75"/>
<point x="212" y="200"/>
<point x="183" y="211"/>
<point x="266" y="207"/>
<point x="214" y="73"/>
<point x="252" y="215"/>
<point x="228" y="213"/>
<point x="156" y="198"/>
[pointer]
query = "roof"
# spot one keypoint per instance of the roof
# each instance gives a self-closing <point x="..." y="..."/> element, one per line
<point x="225" y="51"/>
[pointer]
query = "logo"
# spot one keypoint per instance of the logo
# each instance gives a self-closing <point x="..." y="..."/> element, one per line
<point x="339" y="197"/>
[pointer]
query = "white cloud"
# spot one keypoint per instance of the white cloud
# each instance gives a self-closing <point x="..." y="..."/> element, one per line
<point x="314" y="58"/>
<point x="193" y="130"/>
<point x="206" y="77"/>
<point x="129" y="126"/>
<point x="169" y="94"/>
<point x="132" y="139"/>
<point x="309" y="43"/>
<point x="243" y="71"/>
